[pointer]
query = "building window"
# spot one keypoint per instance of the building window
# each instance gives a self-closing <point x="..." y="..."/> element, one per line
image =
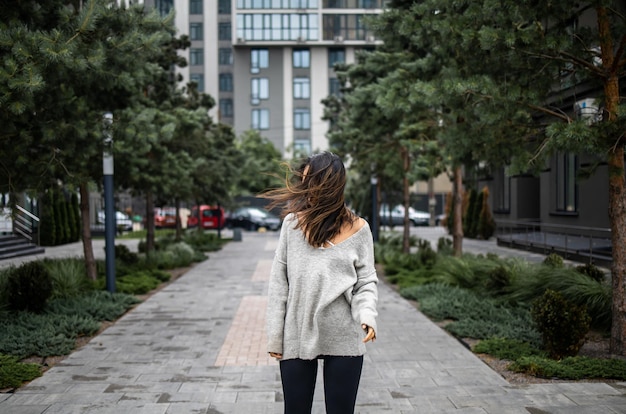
<point x="334" y="87"/>
<point x="294" y="26"/>
<point x="195" y="6"/>
<point x="352" y="4"/>
<point x="196" y="31"/>
<point x="226" y="82"/>
<point x="224" y="31"/>
<point x="260" y="89"/>
<point x="225" y="56"/>
<point x="196" y="56"/>
<point x="223" y="7"/>
<point x="301" y="147"/>
<point x="345" y="27"/>
<point x="164" y="6"/>
<point x="302" y="118"/>
<point x="226" y="108"/>
<point x="301" y="58"/>
<point x="336" y="56"/>
<point x="277" y="4"/>
<point x="566" y="182"/>
<point x="260" y="119"/>
<point x="301" y="88"/>
<point x="502" y="193"/>
<point x="198" y="79"/>
<point x="259" y="59"/>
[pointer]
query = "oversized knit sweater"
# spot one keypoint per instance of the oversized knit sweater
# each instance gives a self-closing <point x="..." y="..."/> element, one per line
<point x="319" y="297"/>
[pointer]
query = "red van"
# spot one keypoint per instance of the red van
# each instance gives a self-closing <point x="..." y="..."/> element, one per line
<point x="211" y="217"/>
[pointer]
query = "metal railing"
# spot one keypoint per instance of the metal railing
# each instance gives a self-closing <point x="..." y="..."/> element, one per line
<point x="592" y="244"/>
<point x="26" y="224"/>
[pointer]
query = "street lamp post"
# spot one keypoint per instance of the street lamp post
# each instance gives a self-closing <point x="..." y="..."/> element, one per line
<point x="374" y="184"/>
<point x="109" y="204"/>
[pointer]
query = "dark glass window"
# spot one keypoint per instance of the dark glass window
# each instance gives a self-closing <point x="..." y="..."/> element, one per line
<point x="224" y="31"/>
<point x="225" y="56"/>
<point x="196" y="31"/>
<point x="198" y="79"/>
<point x="566" y="182"/>
<point x="226" y="107"/>
<point x="223" y="7"/>
<point x="334" y="87"/>
<point x="195" y="6"/>
<point x="196" y="56"/>
<point x="226" y="82"/>
<point x="336" y="56"/>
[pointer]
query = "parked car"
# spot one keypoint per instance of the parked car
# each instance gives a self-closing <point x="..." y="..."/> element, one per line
<point x="253" y="218"/>
<point x="122" y="221"/>
<point x="165" y="217"/>
<point x="211" y="217"/>
<point x="395" y="216"/>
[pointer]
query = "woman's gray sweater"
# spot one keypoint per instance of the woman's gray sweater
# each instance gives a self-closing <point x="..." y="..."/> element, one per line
<point x="319" y="297"/>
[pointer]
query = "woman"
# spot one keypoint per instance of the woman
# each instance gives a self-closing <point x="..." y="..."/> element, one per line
<point x="322" y="290"/>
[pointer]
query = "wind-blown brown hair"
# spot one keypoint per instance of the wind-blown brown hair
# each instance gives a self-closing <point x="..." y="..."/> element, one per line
<point x="315" y="198"/>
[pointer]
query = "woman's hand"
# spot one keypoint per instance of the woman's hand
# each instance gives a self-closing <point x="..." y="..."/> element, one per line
<point x="275" y="355"/>
<point x="370" y="335"/>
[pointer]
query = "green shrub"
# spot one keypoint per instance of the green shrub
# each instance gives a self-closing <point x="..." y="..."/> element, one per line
<point x="592" y="271"/>
<point x="473" y="315"/>
<point x="444" y="246"/>
<point x="13" y="373"/>
<point x="498" y="280"/>
<point x="486" y="224"/>
<point x="504" y="348"/>
<point x="571" y="368"/>
<point x="563" y="325"/>
<point x="27" y="334"/>
<point x="531" y="283"/>
<point x="4" y="280"/>
<point x="183" y="254"/>
<point x="69" y="277"/>
<point x="29" y="286"/>
<point x="136" y="283"/>
<point x="427" y="256"/>
<point x="468" y="219"/>
<point x="123" y="254"/>
<point x="553" y="260"/>
<point x="99" y="305"/>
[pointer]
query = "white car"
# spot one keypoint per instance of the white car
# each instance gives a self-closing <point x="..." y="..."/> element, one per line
<point x="122" y="221"/>
<point x="395" y="217"/>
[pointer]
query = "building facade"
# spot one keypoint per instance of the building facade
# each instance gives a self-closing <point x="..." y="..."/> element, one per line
<point x="269" y="63"/>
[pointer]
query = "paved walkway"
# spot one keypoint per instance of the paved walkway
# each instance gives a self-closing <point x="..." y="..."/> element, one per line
<point x="197" y="346"/>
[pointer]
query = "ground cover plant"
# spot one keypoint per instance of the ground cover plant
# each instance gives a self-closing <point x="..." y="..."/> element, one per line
<point x="46" y="305"/>
<point x="503" y="303"/>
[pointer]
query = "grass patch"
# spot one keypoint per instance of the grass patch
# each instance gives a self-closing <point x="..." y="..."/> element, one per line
<point x="571" y="368"/>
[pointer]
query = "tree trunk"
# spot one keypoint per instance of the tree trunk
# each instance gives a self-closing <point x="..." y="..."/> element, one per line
<point x="617" y="193"/>
<point x="90" y="260"/>
<point x="406" y="163"/>
<point x="179" y="224"/>
<point x="457" y="194"/>
<point x="149" y="222"/>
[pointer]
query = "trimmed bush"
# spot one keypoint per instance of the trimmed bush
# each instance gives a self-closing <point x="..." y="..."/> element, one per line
<point x="571" y="368"/>
<point x="504" y="348"/>
<point x="13" y="373"/>
<point x="553" y="260"/>
<point x="29" y="286"/>
<point x="563" y="325"/>
<point x="592" y="271"/>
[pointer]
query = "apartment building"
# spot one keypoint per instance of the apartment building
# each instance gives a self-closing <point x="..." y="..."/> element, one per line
<point x="269" y="63"/>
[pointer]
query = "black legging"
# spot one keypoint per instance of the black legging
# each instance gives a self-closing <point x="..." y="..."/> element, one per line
<point x="341" y="383"/>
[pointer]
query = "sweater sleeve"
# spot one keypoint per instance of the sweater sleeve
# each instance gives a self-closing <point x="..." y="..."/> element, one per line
<point x="277" y="295"/>
<point x="365" y="291"/>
